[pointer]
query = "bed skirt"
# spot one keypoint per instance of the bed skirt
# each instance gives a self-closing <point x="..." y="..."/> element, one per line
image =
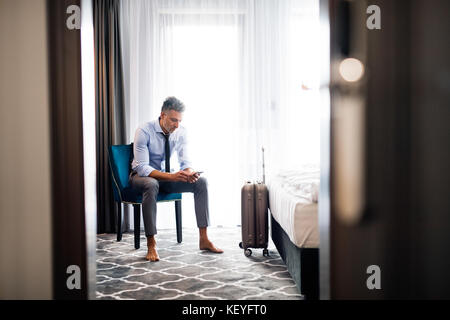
<point x="302" y="263"/>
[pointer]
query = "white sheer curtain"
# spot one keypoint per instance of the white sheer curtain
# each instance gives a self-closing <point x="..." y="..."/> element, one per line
<point x="248" y="73"/>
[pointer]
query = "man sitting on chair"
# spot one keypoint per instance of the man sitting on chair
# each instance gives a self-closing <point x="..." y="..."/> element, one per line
<point x="153" y="144"/>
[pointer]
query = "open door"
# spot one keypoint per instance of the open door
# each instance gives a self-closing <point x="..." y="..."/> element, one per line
<point x="390" y="143"/>
<point x="72" y="108"/>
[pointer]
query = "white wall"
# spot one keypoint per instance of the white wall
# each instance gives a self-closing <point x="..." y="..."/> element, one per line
<point x="25" y="190"/>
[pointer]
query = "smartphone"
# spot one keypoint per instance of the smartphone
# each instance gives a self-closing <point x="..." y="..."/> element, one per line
<point x="198" y="172"/>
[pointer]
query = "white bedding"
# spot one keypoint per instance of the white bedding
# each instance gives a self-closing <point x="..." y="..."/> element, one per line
<point x="293" y="197"/>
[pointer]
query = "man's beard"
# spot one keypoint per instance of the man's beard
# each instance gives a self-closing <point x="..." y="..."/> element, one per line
<point x="166" y="129"/>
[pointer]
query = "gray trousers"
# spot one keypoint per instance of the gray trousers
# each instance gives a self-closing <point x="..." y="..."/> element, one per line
<point x="150" y="187"/>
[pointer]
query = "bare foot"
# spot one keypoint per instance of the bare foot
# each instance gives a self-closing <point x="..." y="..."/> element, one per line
<point x="208" y="245"/>
<point x="152" y="254"/>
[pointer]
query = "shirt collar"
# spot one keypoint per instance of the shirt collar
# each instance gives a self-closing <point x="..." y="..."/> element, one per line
<point x="158" y="126"/>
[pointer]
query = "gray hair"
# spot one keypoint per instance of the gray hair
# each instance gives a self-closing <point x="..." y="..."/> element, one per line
<point x="172" y="103"/>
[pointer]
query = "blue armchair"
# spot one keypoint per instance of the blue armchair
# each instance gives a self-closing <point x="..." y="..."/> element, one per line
<point x="120" y="157"/>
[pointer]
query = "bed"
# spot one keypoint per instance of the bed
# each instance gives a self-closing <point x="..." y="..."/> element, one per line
<point x="293" y="204"/>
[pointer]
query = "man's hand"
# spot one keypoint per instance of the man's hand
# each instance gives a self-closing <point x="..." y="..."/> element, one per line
<point x="187" y="175"/>
<point x="193" y="176"/>
<point x="180" y="176"/>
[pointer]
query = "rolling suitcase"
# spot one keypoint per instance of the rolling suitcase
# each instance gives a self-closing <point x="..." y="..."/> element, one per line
<point x="255" y="216"/>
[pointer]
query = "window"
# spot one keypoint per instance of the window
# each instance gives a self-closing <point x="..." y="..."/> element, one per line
<point x="248" y="74"/>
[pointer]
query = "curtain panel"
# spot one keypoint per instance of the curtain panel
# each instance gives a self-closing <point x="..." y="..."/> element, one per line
<point x="110" y="111"/>
<point x="239" y="66"/>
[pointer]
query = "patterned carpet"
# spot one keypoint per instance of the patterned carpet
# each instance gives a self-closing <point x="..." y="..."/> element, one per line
<point x="185" y="272"/>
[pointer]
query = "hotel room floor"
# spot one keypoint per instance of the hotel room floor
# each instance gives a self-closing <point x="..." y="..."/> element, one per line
<point x="185" y="272"/>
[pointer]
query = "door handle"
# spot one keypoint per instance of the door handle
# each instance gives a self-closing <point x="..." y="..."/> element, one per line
<point x="349" y="157"/>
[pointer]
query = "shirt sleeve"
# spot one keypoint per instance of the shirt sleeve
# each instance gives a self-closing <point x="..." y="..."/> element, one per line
<point x="183" y="155"/>
<point x="142" y="154"/>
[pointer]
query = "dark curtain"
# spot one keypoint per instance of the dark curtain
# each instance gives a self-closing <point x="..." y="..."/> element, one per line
<point x="110" y="113"/>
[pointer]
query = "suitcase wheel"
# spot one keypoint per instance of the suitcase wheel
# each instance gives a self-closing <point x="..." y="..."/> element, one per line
<point x="240" y="245"/>
<point x="248" y="252"/>
<point x="265" y="253"/>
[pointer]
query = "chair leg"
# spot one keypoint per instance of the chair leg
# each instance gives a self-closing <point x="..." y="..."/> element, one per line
<point x="137" y="226"/>
<point x="178" y="221"/>
<point x="119" y="221"/>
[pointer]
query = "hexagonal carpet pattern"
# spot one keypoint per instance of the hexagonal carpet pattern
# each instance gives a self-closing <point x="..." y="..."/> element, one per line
<point x="185" y="272"/>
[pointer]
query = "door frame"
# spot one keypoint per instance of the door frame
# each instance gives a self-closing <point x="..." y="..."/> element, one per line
<point x="68" y="197"/>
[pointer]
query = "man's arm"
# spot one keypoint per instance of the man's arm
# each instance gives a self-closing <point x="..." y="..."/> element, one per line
<point x="158" y="175"/>
<point x="183" y="158"/>
<point x="141" y="154"/>
<point x="180" y="176"/>
<point x="183" y="155"/>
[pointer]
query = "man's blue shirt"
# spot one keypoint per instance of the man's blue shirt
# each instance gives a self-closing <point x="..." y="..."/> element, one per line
<point x="149" y="151"/>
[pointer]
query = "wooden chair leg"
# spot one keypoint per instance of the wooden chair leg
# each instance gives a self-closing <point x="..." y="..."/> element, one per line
<point x="137" y="226"/>
<point x="178" y="221"/>
<point x="119" y="221"/>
